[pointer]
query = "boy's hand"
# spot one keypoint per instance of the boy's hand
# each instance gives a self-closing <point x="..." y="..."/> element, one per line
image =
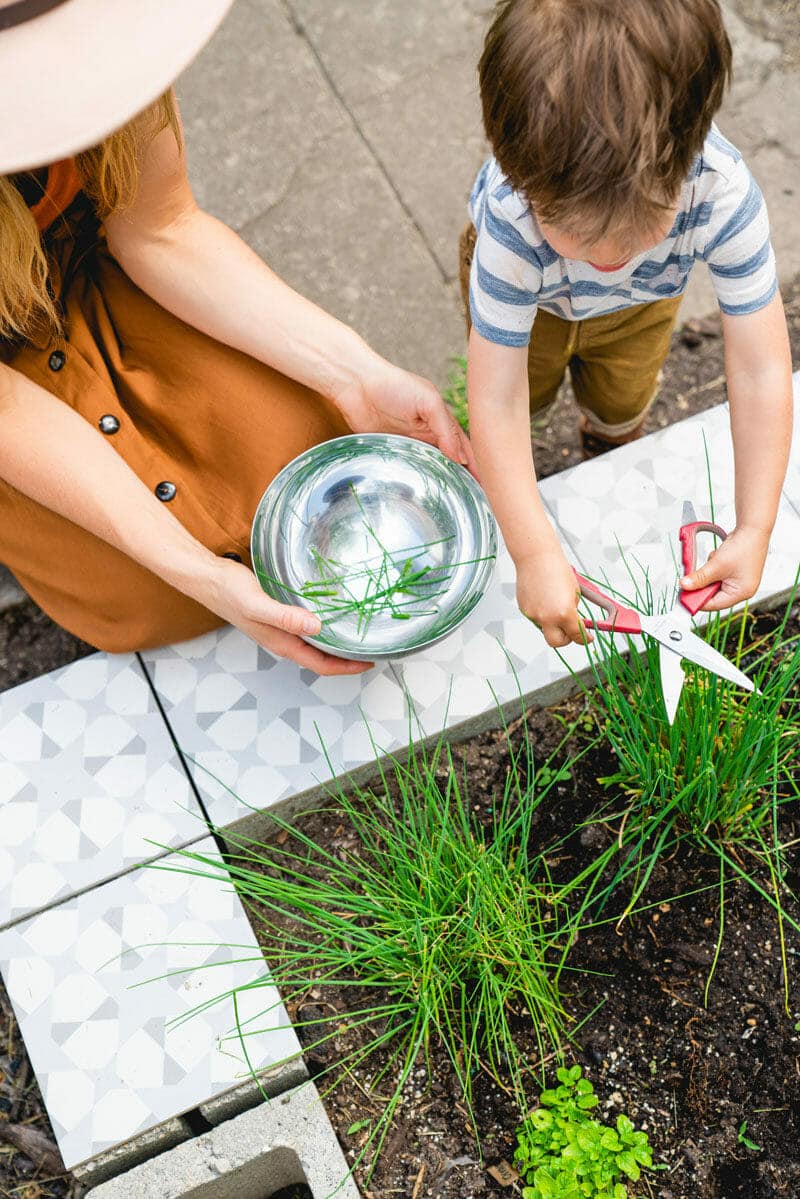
<point x="548" y="594"/>
<point x="738" y="563"/>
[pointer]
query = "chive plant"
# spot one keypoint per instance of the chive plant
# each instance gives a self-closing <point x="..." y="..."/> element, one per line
<point x="717" y="778"/>
<point x="439" y="928"/>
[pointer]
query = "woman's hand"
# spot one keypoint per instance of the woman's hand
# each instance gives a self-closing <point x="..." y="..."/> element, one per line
<point x="738" y="564"/>
<point x="548" y="594"/>
<point x="234" y="593"/>
<point x="392" y="400"/>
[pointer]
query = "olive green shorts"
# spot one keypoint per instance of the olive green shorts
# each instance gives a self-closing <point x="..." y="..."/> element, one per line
<point x="613" y="360"/>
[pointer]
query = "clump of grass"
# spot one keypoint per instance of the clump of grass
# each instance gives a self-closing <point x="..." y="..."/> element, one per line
<point x="717" y="778"/>
<point x="446" y="929"/>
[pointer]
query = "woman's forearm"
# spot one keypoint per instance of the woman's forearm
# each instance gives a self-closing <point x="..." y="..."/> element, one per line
<point x="53" y="456"/>
<point x="201" y="271"/>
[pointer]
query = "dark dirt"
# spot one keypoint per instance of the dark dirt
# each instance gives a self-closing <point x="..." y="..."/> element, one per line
<point x="709" y="1072"/>
<point x="688" y="1075"/>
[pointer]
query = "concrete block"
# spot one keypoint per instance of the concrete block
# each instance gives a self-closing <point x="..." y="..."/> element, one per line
<point x="10" y="591"/>
<point x="240" y="1099"/>
<point x="286" y="1142"/>
<point x="129" y="1154"/>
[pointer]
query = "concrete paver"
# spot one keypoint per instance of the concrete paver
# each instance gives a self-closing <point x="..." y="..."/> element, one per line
<point x="413" y="90"/>
<point x="255" y="108"/>
<point x="342" y="238"/>
<point x="122" y="995"/>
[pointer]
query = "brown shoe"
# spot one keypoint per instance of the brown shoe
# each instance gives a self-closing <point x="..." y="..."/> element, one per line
<point x="594" y="443"/>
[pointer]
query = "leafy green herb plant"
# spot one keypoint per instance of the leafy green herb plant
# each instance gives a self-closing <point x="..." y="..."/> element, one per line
<point x="563" y="1152"/>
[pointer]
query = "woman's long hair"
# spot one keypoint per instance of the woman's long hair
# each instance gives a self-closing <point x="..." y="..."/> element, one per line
<point x="109" y="174"/>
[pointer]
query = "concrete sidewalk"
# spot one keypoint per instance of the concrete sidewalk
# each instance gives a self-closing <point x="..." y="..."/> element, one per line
<point x="341" y="138"/>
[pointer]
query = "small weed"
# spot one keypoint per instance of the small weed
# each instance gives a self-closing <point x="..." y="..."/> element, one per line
<point x="743" y="1139"/>
<point x="555" y="774"/>
<point x="359" y="1126"/>
<point x="565" y="1153"/>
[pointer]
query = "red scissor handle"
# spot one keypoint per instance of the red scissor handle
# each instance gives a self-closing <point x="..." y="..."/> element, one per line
<point x="693" y="601"/>
<point x="621" y="619"/>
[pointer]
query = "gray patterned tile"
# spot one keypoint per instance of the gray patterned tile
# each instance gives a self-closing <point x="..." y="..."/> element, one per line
<point x="496" y="656"/>
<point x="258" y="724"/>
<point x="88" y="774"/>
<point x="99" y="985"/>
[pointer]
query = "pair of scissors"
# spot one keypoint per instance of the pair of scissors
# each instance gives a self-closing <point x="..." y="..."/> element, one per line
<point x="672" y="630"/>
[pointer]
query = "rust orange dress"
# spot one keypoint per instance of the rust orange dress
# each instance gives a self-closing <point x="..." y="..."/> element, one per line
<point x="203" y="425"/>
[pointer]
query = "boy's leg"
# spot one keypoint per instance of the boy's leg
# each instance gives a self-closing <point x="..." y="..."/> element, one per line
<point x="615" y="371"/>
<point x="552" y="340"/>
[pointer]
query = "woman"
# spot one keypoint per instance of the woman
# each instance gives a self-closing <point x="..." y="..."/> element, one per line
<point x="154" y="373"/>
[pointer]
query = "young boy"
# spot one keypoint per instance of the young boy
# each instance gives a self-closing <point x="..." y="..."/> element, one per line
<point x="608" y="181"/>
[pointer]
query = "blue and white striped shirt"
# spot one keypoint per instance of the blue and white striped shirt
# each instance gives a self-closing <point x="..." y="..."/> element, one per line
<point x="722" y="220"/>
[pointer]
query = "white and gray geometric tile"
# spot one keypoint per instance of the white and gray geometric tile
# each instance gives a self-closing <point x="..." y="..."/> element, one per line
<point x="633" y="497"/>
<point x="88" y="773"/>
<point x="792" y="486"/>
<point x="268" y="730"/>
<point x="257" y="723"/>
<point x="110" y="1060"/>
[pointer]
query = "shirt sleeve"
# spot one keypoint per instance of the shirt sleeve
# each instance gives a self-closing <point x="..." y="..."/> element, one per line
<point x="738" y="249"/>
<point x="505" y="278"/>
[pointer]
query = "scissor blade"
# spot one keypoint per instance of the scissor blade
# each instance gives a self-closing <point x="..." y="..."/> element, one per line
<point x="675" y="634"/>
<point x="671" y="680"/>
<point x="702" y="654"/>
<point x="689" y="516"/>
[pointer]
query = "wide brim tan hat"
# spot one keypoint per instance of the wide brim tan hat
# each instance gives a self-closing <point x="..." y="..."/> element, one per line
<point x="73" y="71"/>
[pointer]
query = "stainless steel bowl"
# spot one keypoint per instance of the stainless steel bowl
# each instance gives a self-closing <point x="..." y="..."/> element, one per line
<point x="349" y="516"/>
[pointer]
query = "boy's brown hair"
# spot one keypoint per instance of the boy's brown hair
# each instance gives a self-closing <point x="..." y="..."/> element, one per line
<point x="595" y="109"/>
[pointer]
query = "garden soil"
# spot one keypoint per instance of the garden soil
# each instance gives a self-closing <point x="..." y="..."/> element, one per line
<point x="691" y="1075"/>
